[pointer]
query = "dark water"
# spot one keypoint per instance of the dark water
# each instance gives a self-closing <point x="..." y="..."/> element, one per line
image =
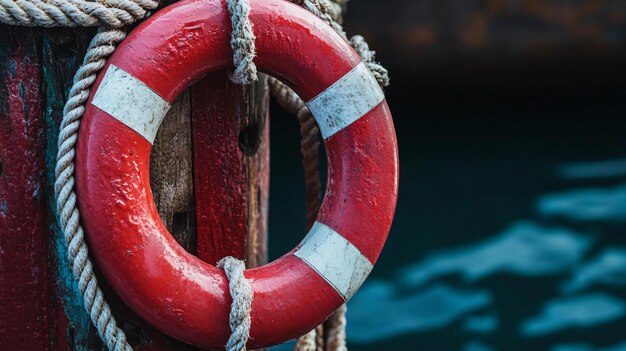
<point x="509" y="232"/>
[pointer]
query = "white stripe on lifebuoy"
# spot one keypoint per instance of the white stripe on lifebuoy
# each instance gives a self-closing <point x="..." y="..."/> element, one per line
<point x="344" y="102"/>
<point x="131" y="101"/>
<point x="339" y="262"/>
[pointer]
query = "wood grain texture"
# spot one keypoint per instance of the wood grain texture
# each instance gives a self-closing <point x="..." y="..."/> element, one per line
<point x="231" y="166"/>
<point x="40" y="304"/>
<point x="171" y="173"/>
<point x="62" y="51"/>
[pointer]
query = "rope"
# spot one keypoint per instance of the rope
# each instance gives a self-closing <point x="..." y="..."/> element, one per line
<point x="74" y="13"/>
<point x="335" y="330"/>
<point x="312" y="341"/>
<point x="241" y="293"/>
<point x="242" y="42"/>
<point x="381" y="74"/>
<point x="331" y="336"/>
<point x="112" y="14"/>
<point x="100" y="48"/>
<point x="309" y="147"/>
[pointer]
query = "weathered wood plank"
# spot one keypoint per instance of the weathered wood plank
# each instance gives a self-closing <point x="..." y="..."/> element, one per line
<point x="52" y="315"/>
<point x="230" y="186"/>
<point x="231" y="168"/>
<point x="63" y="50"/>
<point x="258" y="172"/>
<point x="171" y="173"/>
<point x="24" y="279"/>
<point x="61" y="55"/>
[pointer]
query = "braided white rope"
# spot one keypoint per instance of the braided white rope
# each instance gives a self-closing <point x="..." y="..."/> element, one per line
<point x="242" y="295"/>
<point x="307" y="342"/>
<point x="331" y="12"/>
<point x="116" y="14"/>
<point x="100" y="48"/>
<point x="112" y="14"/>
<point x="74" y="13"/>
<point x="242" y="42"/>
<point x="335" y="331"/>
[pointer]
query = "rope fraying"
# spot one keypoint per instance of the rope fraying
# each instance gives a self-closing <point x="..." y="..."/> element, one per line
<point x="242" y="41"/>
<point x="242" y="295"/>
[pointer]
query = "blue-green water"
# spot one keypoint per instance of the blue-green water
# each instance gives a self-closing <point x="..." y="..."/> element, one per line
<point x="510" y="231"/>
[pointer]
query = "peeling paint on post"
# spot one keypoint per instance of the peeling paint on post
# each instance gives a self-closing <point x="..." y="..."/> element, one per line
<point x="231" y="188"/>
<point x="62" y="51"/>
<point x="40" y="304"/>
<point x="24" y="284"/>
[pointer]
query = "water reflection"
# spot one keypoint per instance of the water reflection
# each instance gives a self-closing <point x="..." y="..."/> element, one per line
<point x="606" y="205"/>
<point x="547" y="281"/>
<point x="525" y="248"/>
<point x="609" y="268"/>
<point x="580" y="311"/>
<point x="587" y="347"/>
<point x="481" y="323"/>
<point x="476" y="346"/>
<point x="381" y="310"/>
<point x="593" y="170"/>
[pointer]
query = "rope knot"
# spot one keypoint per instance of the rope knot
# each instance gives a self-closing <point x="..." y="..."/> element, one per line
<point x="112" y="16"/>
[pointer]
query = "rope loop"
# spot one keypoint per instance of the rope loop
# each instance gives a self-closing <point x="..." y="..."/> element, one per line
<point x="111" y="15"/>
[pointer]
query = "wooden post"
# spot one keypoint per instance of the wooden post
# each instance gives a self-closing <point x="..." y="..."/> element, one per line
<point x="231" y="152"/>
<point x="207" y="172"/>
<point x="24" y="285"/>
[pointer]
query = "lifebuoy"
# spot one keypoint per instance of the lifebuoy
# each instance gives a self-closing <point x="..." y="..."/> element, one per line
<point x="174" y="290"/>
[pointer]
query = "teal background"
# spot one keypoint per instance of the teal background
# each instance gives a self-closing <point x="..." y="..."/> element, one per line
<point x="510" y="227"/>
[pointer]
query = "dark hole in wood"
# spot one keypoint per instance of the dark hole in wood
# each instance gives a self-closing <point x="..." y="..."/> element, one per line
<point x="1" y="169"/>
<point x="179" y="222"/>
<point x="250" y="140"/>
<point x="136" y="334"/>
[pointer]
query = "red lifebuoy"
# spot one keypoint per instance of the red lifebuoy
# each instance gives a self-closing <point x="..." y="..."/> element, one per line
<point x="174" y="290"/>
